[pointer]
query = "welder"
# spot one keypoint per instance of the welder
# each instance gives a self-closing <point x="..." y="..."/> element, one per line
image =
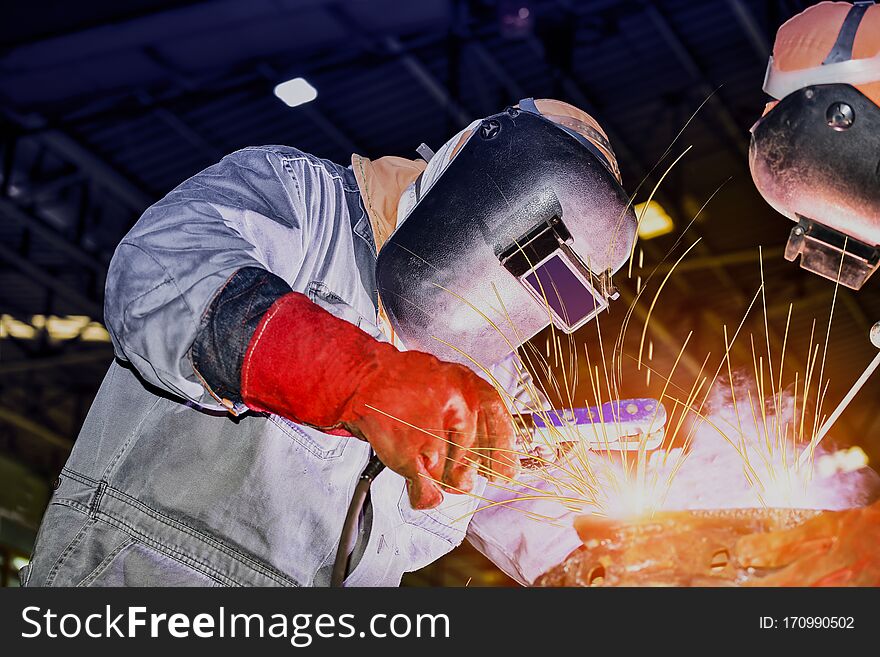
<point x="259" y="313"/>
<point x="814" y="158"/>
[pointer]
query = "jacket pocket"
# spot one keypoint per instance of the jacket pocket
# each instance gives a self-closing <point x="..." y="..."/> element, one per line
<point x="102" y="555"/>
<point x="323" y="446"/>
<point x="134" y="564"/>
<point x="321" y="294"/>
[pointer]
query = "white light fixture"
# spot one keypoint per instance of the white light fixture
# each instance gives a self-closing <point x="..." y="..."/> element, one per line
<point x="296" y="92"/>
<point x="654" y="221"/>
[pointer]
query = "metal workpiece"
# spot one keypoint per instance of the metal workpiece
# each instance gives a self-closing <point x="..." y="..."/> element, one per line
<point x="680" y="548"/>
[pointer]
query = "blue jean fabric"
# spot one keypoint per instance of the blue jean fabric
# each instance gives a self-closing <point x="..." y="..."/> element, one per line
<point x="228" y="326"/>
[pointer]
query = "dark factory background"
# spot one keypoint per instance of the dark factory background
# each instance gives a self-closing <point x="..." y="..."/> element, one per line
<point x="105" y="107"/>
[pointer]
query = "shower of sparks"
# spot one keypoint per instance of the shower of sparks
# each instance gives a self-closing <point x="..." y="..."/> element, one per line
<point x="768" y="427"/>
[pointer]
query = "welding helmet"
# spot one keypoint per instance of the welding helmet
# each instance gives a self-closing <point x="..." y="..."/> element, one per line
<point x="815" y="154"/>
<point x="519" y="221"/>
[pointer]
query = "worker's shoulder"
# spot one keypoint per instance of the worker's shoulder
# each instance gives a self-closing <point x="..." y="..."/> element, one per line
<point x="288" y="156"/>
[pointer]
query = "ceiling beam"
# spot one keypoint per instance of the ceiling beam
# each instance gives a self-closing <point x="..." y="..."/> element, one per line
<point x="687" y="61"/>
<point x="344" y="141"/>
<point x="10" y="210"/>
<point x="754" y="33"/>
<point x="392" y="45"/>
<point x="78" y="300"/>
<point x="32" y="428"/>
<point x="102" y="174"/>
<point x="189" y="134"/>
<point x="429" y="83"/>
<point x="511" y="86"/>
<point x="713" y="260"/>
<point x="848" y="299"/>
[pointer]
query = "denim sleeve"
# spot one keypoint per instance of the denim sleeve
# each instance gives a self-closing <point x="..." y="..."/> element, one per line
<point x="244" y="212"/>
<point x="226" y="328"/>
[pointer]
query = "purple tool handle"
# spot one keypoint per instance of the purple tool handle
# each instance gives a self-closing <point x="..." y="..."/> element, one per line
<point x="622" y="411"/>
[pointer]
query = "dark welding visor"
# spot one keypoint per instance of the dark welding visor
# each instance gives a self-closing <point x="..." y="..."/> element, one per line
<point x="555" y="276"/>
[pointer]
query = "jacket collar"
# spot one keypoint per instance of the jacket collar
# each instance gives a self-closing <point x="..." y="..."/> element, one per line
<point x="381" y="182"/>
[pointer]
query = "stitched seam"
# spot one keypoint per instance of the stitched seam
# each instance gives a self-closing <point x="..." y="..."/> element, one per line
<point x="77" y="506"/>
<point x="96" y="499"/>
<point x="165" y="281"/>
<point x="180" y="556"/>
<point x="75" y="541"/>
<point x="105" y="563"/>
<point x="168" y="280"/>
<point x="126" y="309"/>
<point x="363" y="215"/>
<point x="245" y="376"/>
<point x="424" y="521"/>
<point x="293" y="180"/>
<point x="81" y="478"/>
<point x="367" y="193"/>
<point x="373" y="229"/>
<point x="108" y="471"/>
<point x="182" y="527"/>
<point x="208" y="310"/>
<point x="194" y="533"/>
<point x="218" y="293"/>
<point x="295" y="433"/>
<point x="369" y="240"/>
<point x="208" y="575"/>
<point x="448" y="539"/>
<point x="285" y="159"/>
<point x="330" y="556"/>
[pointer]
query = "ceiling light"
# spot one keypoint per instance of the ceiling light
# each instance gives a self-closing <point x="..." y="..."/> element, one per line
<point x="654" y="221"/>
<point x="296" y="92"/>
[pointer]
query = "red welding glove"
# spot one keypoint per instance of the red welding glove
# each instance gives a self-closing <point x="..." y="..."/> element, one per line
<point x="836" y="548"/>
<point x="427" y="420"/>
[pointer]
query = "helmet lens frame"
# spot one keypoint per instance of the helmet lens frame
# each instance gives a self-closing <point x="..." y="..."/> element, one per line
<point x="556" y="277"/>
<point x="559" y="285"/>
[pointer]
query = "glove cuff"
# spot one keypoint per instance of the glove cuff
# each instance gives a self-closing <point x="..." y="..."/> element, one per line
<point x="305" y="364"/>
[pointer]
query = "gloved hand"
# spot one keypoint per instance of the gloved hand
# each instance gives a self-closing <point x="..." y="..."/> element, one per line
<point x="426" y="419"/>
<point x="836" y="548"/>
